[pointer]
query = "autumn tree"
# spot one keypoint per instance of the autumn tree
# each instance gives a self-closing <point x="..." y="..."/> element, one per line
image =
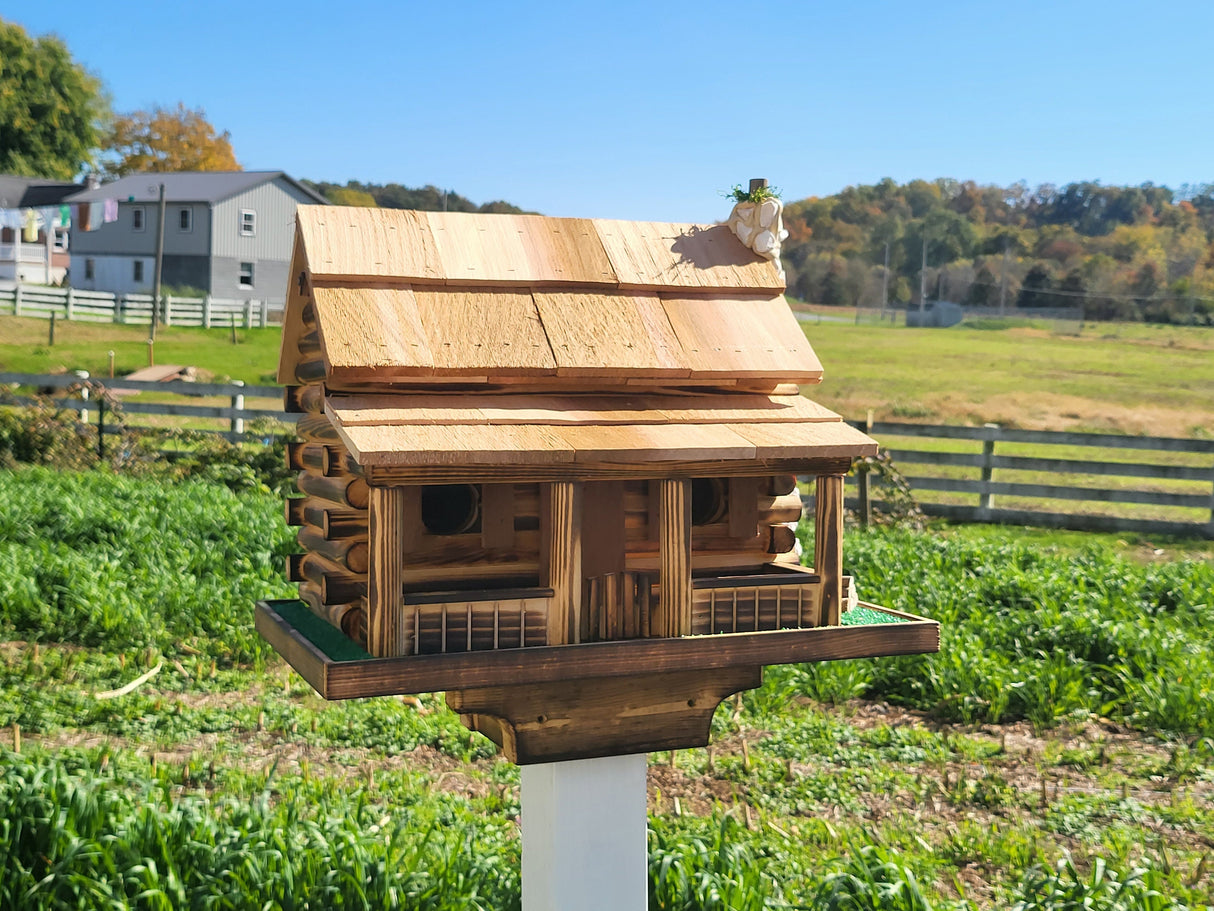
<point x="1035" y="290"/>
<point x="348" y="196"/>
<point x="168" y="139"/>
<point x="52" y="111"/>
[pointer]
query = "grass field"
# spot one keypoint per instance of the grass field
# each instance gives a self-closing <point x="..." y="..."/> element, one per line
<point x="86" y="346"/>
<point x="1119" y="378"/>
<point x="1156" y="381"/>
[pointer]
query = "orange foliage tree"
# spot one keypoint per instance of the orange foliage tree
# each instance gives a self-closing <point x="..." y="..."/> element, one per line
<point x="168" y="139"/>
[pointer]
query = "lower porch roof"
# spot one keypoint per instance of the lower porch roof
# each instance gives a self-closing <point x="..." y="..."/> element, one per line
<point x="564" y="429"/>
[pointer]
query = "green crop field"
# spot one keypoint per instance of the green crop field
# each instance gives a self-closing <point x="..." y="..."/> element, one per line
<point x="1058" y="752"/>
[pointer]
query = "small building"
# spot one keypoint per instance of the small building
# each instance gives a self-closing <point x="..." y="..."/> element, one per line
<point x="549" y="466"/>
<point x="34" y="238"/>
<point x="935" y="315"/>
<point x="228" y="233"/>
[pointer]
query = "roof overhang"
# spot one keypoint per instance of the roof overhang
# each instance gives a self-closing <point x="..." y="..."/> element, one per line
<point x="564" y="431"/>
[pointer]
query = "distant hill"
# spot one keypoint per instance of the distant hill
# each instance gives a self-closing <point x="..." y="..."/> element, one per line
<point x="396" y="196"/>
<point x="1142" y="252"/>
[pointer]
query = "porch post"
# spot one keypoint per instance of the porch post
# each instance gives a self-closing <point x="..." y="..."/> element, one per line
<point x="828" y="546"/>
<point x="672" y="616"/>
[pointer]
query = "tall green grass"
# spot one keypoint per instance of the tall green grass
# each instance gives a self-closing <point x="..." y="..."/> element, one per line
<point x="101" y="560"/>
<point x="73" y="835"/>
<point x="1031" y="632"/>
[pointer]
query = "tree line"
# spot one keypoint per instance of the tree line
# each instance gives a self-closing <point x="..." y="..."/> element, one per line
<point x="395" y="196"/>
<point x="1144" y="252"/>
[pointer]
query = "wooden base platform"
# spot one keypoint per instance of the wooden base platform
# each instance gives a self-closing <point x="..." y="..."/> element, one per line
<point x="551" y="704"/>
<point x="338" y="669"/>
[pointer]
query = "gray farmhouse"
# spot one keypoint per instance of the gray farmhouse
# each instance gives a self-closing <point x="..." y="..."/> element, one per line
<point x="227" y="232"/>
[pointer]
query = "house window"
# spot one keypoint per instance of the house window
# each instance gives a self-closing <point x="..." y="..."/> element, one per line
<point x="248" y="222"/>
<point x="185" y="220"/>
<point x="60" y="241"/>
<point x="246" y="275"/>
<point x="90" y="269"/>
<point x="137" y="219"/>
<point x="138" y="270"/>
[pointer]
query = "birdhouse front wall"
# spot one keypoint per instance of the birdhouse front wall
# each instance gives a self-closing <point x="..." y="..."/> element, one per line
<point x="479" y="562"/>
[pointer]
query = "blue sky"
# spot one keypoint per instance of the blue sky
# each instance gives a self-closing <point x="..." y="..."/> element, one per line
<point x="649" y="110"/>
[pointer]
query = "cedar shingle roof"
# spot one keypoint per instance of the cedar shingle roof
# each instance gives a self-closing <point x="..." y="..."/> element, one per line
<point x="402" y="295"/>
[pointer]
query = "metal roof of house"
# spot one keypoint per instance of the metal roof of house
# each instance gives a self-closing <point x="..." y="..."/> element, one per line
<point x="33" y="192"/>
<point x="187" y="186"/>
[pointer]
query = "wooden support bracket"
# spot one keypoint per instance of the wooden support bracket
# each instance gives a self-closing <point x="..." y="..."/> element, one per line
<point x="601" y="716"/>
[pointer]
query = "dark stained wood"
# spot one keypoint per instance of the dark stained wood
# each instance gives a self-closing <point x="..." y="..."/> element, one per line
<point x="603" y="529"/>
<point x="392" y="475"/>
<point x="561" y="558"/>
<point x="497" y="516"/>
<point x="781" y="484"/>
<point x="309" y="344"/>
<point x="385" y="583"/>
<point x="583" y="719"/>
<point x="350" y="553"/>
<point x="304" y="456"/>
<point x="786" y="508"/>
<point x="672" y="614"/>
<point x="295" y="510"/>
<point x="655" y="509"/>
<point x="347" y="491"/>
<point x="339" y="463"/>
<point x="308" y="661"/>
<point x="317" y="427"/>
<point x="308" y="399"/>
<point x="549" y="664"/>
<point x="334" y="521"/>
<point x="310" y="371"/>
<point x="828" y="545"/>
<point x="743" y="507"/>
<point x="337" y="584"/>
<point x="780" y="539"/>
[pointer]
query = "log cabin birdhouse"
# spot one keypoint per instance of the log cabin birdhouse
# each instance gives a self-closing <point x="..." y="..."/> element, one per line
<point x="549" y="466"/>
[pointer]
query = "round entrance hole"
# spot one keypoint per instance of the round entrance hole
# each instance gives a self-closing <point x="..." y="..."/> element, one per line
<point x="707" y="500"/>
<point x="450" y="509"/>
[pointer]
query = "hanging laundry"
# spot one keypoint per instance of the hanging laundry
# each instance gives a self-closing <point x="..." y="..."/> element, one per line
<point x="109" y="210"/>
<point x="65" y="216"/>
<point x="82" y="216"/>
<point x="29" y="232"/>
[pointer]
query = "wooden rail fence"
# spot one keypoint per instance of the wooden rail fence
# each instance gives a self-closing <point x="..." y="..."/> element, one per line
<point x="1175" y="493"/>
<point x="966" y="474"/>
<point x="228" y="419"/>
<point x="103" y="307"/>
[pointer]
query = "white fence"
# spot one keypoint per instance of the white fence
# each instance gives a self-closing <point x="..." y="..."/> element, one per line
<point x="103" y="307"/>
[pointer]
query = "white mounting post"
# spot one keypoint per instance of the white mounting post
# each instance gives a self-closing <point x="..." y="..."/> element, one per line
<point x="585" y="835"/>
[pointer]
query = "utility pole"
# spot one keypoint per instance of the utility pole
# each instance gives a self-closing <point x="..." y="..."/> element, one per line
<point x="1003" y="281"/>
<point x="923" y="274"/>
<point x="159" y="263"/>
<point x="885" y="283"/>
